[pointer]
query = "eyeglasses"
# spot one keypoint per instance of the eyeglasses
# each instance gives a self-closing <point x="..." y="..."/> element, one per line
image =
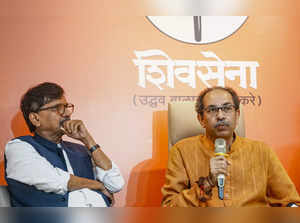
<point x="60" y="108"/>
<point x="227" y="109"/>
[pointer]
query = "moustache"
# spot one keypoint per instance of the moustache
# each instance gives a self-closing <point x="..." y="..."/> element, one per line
<point x="63" y="120"/>
<point x="222" y="123"/>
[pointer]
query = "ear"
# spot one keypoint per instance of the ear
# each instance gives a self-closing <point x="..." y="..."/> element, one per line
<point x="200" y="119"/>
<point x="34" y="119"/>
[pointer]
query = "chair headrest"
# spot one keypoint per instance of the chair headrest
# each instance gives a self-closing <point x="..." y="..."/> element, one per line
<point x="183" y="122"/>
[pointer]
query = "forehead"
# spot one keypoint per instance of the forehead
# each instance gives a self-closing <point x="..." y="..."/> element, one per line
<point x="62" y="100"/>
<point x="217" y="97"/>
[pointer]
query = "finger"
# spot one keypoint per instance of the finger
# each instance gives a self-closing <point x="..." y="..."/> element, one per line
<point x="216" y="160"/>
<point x="220" y="163"/>
<point x="63" y="130"/>
<point x="75" y="127"/>
<point x="72" y="126"/>
<point x="108" y="194"/>
<point x="221" y="171"/>
<point x="221" y="166"/>
<point x="67" y="126"/>
<point x="223" y="163"/>
<point x="220" y="158"/>
<point x="81" y="127"/>
<point x="112" y="202"/>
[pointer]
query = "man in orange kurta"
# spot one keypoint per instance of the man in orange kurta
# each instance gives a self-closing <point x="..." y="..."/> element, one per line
<point x="254" y="175"/>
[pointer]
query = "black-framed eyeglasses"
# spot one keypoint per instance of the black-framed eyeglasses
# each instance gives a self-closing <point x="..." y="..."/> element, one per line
<point x="61" y="109"/>
<point x="227" y="109"/>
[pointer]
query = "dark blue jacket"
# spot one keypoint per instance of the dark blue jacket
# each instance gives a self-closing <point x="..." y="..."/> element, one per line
<point x="26" y="195"/>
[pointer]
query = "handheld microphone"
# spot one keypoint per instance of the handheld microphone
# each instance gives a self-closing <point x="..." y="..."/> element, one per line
<point x="220" y="150"/>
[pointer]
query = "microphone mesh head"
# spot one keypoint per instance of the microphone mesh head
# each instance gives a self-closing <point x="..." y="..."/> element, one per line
<point x="220" y="145"/>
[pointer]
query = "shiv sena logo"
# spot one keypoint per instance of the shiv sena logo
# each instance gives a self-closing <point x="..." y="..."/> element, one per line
<point x="198" y="29"/>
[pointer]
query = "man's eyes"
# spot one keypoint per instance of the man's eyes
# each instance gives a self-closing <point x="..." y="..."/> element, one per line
<point x="213" y="109"/>
<point x="223" y="108"/>
<point x="226" y="108"/>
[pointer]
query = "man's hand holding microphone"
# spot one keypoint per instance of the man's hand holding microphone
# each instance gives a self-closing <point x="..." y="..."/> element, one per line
<point x="218" y="169"/>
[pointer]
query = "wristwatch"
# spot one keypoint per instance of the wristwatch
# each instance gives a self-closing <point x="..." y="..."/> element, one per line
<point x="205" y="191"/>
<point x="94" y="148"/>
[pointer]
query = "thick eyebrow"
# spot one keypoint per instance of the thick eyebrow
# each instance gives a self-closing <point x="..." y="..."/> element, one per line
<point x="226" y="103"/>
<point x="211" y="106"/>
<point x="52" y="106"/>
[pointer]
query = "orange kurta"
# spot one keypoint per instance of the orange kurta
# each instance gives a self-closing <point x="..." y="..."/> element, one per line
<point x="256" y="176"/>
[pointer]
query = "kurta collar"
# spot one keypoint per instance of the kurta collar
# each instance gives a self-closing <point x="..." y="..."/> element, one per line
<point x="45" y="142"/>
<point x="209" y="145"/>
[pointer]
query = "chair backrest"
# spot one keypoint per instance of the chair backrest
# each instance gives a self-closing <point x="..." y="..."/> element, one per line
<point x="183" y="122"/>
<point x="4" y="197"/>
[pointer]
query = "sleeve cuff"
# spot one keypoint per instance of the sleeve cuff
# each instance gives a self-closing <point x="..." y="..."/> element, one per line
<point x="112" y="179"/>
<point x="64" y="180"/>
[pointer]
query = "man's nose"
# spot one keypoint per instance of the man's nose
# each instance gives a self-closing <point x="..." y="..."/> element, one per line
<point x="67" y="113"/>
<point x="220" y="114"/>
